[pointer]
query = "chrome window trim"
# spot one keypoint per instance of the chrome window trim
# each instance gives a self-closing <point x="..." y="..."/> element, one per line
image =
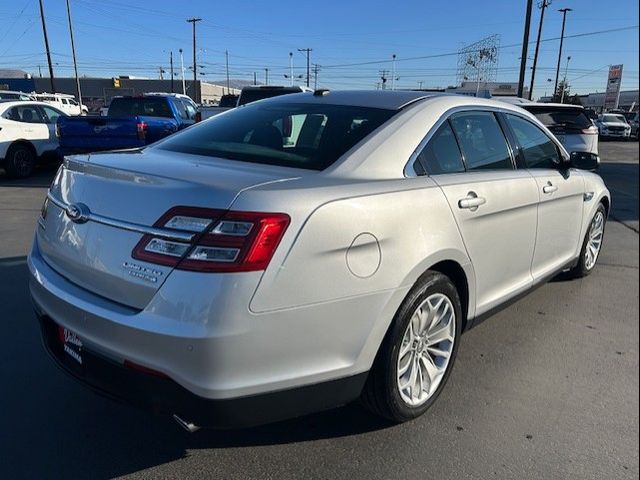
<point x="409" y="171"/>
<point x="129" y="226"/>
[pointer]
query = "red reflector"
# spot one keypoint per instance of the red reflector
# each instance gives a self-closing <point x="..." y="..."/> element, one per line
<point x="139" y="368"/>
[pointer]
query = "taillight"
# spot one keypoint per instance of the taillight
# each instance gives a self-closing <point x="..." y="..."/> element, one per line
<point x="198" y="117"/>
<point x="590" y="130"/>
<point x="223" y="241"/>
<point x="141" y="128"/>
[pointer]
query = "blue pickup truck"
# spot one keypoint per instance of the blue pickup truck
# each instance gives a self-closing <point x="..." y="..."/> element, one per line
<point x="131" y="122"/>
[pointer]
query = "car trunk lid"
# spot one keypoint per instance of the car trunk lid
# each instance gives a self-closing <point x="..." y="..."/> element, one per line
<point x="123" y="195"/>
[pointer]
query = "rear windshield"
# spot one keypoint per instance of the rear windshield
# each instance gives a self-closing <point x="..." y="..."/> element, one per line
<point x="145" y="106"/>
<point x="561" y="117"/>
<point x="613" y="118"/>
<point x="253" y="95"/>
<point x="287" y="135"/>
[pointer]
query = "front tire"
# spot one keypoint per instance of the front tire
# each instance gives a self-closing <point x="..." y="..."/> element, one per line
<point x="20" y="161"/>
<point x="591" y="245"/>
<point x="418" y="353"/>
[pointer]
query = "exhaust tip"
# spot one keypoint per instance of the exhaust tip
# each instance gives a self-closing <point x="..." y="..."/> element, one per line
<point x="188" y="426"/>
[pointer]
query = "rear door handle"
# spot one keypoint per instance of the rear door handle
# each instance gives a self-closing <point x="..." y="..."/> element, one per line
<point x="549" y="188"/>
<point x="471" y="202"/>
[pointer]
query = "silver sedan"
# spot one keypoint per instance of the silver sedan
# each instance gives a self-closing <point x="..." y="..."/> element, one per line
<point x="302" y="252"/>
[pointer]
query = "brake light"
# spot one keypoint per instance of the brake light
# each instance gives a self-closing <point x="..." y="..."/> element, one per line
<point x="223" y="241"/>
<point x="198" y="117"/>
<point x="141" y="128"/>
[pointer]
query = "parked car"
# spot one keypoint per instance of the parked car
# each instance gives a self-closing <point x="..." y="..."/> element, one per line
<point x="230" y="276"/>
<point x="11" y="95"/>
<point x="253" y="93"/>
<point x="613" y="125"/>
<point x="27" y="134"/>
<point x="131" y="122"/>
<point x="63" y="102"/>
<point x="570" y="124"/>
<point x="227" y="102"/>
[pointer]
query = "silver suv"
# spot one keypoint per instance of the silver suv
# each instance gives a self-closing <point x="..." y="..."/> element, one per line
<point x="305" y="251"/>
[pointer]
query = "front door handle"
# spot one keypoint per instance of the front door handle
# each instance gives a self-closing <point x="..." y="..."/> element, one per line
<point x="549" y="188"/>
<point x="471" y="202"/>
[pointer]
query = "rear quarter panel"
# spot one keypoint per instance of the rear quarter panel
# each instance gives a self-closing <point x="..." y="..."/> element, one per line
<point x="361" y="244"/>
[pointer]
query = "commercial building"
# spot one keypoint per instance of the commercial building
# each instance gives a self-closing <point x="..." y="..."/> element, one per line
<point x="98" y="92"/>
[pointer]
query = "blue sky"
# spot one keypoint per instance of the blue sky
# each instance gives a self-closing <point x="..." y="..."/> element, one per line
<point x="116" y="37"/>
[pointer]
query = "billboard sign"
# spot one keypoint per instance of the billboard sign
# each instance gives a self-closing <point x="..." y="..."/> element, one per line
<point x="614" y="82"/>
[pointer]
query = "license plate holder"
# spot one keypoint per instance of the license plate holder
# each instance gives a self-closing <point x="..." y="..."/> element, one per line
<point x="72" y="346"/>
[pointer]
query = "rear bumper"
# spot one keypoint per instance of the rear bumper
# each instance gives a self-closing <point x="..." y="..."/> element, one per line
<point x="164" y="396"/>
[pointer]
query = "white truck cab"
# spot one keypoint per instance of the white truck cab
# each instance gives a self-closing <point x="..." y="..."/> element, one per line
<point x="64" y="102"/>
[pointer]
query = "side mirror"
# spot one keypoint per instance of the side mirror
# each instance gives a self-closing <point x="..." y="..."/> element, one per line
<point x="584" y="161"/>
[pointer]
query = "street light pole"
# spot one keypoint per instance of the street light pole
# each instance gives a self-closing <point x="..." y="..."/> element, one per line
<point x="184" y="86"/>
<point x="543" y="6"/>
<point x="564" y="83"/>
<point x="73" y="52"/>
<point x="564" y="19"/>
<point x="393" y="71"/>
<point x="226" y="55"/>
<point x="291" y="68"/>
<point x="171" y="67"/>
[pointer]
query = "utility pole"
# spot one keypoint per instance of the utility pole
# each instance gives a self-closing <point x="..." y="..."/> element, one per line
<point x="171" y="67"/>
<point x="393" y="71"/>
<point x="73" y="52"/>
<point x="184" y="87"/>
<point x="308" y="51"/>
<point x="193" y="21"/>
<point x="543" y="4"/>
<point x="226" y="55"/>
<point x="39" y="71"/>
<point x="564" y="83"/>
<point x="161" y="72"/>
<point x="46" y="45"/>
<point x="255" y="78"/>
<point x="316" y="70"/>
<point x="525" y="46"/>
<point x="266" y="76"/>
<point x="564" y="19"/>
<point x="420" y="82"/>
<point x="291" y="68"/>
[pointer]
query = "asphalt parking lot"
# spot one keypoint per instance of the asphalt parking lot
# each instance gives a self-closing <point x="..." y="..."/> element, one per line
<point x="548" y="388"/>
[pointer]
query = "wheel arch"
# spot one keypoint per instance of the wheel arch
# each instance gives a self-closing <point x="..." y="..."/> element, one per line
<point x="23" y="142"/>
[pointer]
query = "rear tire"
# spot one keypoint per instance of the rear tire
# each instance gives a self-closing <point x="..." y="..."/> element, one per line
<point x="591" y="245"/>
<point x="20" y="161"/>
<point x="433" y="303"/>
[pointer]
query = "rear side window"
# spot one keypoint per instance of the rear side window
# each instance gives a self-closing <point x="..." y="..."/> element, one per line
<point x="182" y="109"/>
<point x="289" y="135"/>
<point x="538" y="150"/>
<point x="441" y="154"/>
<point x="25" y="114"/>
<point x="562" y="120"/>
<point x="482" y="142"/>
<point x="144" y="106"/>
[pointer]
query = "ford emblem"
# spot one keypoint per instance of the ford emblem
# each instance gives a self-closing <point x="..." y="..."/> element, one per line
<point x="78" y="212"/>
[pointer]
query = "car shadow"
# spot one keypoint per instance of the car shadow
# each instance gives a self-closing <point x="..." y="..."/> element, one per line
<point x="53" y="427"/>
<point x="42" y="176"/>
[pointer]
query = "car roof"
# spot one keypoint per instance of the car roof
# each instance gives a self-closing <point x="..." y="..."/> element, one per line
<point x="21" y="103"/>
<point x="385" y="99"/>
<point x="558" y="106"/>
